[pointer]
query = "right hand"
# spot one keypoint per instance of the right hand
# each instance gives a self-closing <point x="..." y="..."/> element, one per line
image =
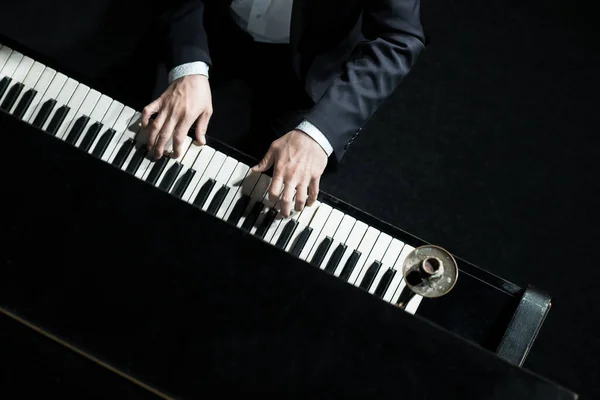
<point x="186" y="100"/>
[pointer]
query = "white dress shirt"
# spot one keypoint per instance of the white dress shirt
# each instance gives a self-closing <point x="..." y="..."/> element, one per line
<point x="266" y="21"/>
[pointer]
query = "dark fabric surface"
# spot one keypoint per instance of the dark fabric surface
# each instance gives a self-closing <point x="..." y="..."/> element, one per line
<point x="488" y="148"/>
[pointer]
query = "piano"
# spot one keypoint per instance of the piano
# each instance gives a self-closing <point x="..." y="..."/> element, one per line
<point x="150" y="268"/>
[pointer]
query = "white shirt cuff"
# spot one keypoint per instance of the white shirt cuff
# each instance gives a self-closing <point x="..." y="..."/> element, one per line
<point x="192" y="68"/>
<point x="317" y="136"/>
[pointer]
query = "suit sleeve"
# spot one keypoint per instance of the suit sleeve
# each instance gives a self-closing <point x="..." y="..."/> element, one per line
<point x="394" y="39"/>
<point x="182" y="32"/>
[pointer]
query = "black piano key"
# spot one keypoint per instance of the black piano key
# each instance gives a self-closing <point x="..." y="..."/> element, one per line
<point x="103" y="142"/>
<point x="4" y="84"/>
<point x="44" y="113"/>
<point x="184" y="182"/>
<point x="77" y="129"/>
<point x="58" y="119"/>
<point x="384" y="283"/>
<point x="218" y="199"/>
<point x="238" y="209"/>
<point x="90" y="136"/>
<point x="136" y="160"/>
<point x="335" y="258"/>
<point x="12" y="96"/>
<point x="321" y="252"/>
<point x="301" y="241"/>
<point x="405" y="295"/>
<point x="350" y="264"/>
<point x="25" y="103"/>
<point x="286" y="233"/>
<point x="370" y="275"/>
<point x="204" y="192"/>
<point x="253" y="216"/>
<point x="123" y="153"/>
<point x="170" y="177"/>
<point x="157" y="170"/>
<point x="261" y="231"/>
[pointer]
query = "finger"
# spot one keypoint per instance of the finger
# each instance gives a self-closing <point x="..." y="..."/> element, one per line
<point x="301" y="196"/>
<point x="313" y="191"/>
<point x="179" y="137"/>
<point x="265" y="163"/>
<point x="154" y="128"/>
<point x="202" y="126"/>
<point x="276" y="187"/>
<point x="163" y="137"/>
<point x="286" y="200"/>
<point x="149" y="111"/>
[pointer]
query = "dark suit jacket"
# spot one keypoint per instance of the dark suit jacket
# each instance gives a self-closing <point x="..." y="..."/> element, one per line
<point x="350" y="54"/>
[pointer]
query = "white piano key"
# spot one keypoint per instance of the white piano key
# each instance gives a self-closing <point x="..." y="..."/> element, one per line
<point x="354" y="239"/>
<point x="317" y="223"/>
<point x="96" y="116"/>
<point x="333" y="222"/>
<point x="109" y="121"/>
<point x="258" y="193"/>
<point x="204" y="171"/>
<point x="188" y="162"/>
<point x="304" y="220"/>
<point x="85" y="108"/>
<point x="376" y="254"/>
<point x="365" y="247"/>
<point x="62" y="99"/>
<point x="274" y="225"/>
<point x="340" y="236"/>
<point x="388" y="261"/>
<point x="210" y="172"/>
<point x="57" y="80"/>
<point x="121" y="128"/>
<point x="235" y="183"/>
<point x="245" y="188"/>
<point x="134" y="150"/>
<point x="222" y="178"/>
<point x="413" y="304"/>
<point x="268" y="205"/>
<point x="5" y="53"/>
<point x="11" y="64"/>
<point x="30" y="81"/>
<point x="295" y="215"/>
<point x="141" y="138"/>
<point x="398" y="280"/>
<point x="74" y="103"/>
<point x="22" y="70"/>
<point x="18" y="75"/>
<point x="172" y="160"/>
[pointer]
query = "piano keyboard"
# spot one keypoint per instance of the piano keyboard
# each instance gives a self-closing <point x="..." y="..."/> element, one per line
<point x="321" y="235"/>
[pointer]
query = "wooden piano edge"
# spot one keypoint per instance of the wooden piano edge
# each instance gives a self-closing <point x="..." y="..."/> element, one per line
<point x="46" y="334"/>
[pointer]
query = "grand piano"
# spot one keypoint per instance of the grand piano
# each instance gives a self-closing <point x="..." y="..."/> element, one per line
<point x="178" y="278"/>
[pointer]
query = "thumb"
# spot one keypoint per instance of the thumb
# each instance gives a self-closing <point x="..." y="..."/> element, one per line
<point x="265" y="163"/>
<point x="201" y="127"/>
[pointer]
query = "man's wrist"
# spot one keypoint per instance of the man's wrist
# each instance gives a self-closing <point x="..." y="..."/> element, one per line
<point x="318" y="136"/>
<point x="192" y="68"/>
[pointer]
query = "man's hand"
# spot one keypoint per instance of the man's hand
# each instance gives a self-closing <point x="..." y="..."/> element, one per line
<point x="185" y="100"/>
<point x="299" y="163"/>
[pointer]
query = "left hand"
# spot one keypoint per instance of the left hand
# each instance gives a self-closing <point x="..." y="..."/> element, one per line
<point x="299" y="163"/>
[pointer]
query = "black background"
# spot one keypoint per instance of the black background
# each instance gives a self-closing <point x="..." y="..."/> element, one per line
<point x="488" y="148"/>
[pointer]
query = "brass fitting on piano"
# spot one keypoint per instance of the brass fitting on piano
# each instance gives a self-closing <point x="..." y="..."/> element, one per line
<point x="429" y="271"/>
